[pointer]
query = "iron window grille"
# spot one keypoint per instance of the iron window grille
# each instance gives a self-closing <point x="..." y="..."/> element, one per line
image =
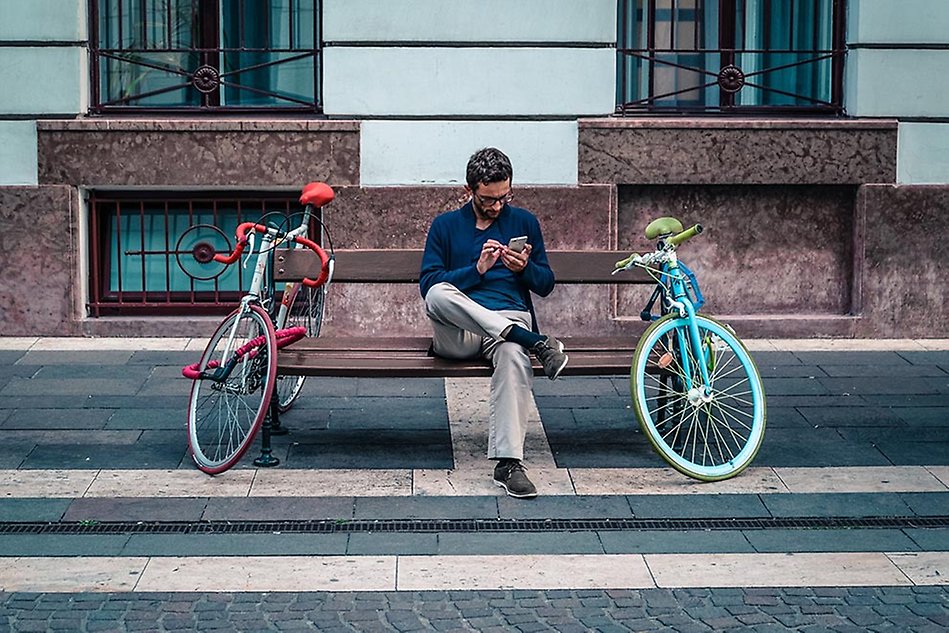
<point x="134" y="238"/>
<point x="730" y="56"/>
<point x="205" y="55"/>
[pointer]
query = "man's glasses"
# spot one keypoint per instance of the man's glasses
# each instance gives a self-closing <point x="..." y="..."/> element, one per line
<point x="490" y="201"/>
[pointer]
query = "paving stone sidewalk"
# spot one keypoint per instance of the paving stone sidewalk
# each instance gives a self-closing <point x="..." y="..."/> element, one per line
<point x="804" y="610"/>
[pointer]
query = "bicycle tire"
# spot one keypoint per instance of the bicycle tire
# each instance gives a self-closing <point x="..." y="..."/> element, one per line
<point x="708" y="440"/>
<point x="224" y="416"/>
<point x="305" y="310"/>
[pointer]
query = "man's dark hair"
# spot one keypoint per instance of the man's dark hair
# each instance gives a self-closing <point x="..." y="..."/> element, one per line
<point x="486" y="166"/>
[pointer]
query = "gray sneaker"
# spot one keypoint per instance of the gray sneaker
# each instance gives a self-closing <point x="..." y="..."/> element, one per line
<point x="550" y="354"/>
<point x="511" y="475"/>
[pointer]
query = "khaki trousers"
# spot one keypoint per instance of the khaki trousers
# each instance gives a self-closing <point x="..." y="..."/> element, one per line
<point x="465" y="329"/>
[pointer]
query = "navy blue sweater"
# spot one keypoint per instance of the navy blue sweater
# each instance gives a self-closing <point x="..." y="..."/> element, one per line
<point x="449" y="255"/>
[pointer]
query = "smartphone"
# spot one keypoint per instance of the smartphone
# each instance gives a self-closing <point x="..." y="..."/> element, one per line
<point x="517" y="243"/>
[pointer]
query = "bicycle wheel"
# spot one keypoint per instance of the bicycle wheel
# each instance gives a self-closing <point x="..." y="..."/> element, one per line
<point x="305" y="310"/>
<point x="707" y="437"/>
<point x="225" y="413"/>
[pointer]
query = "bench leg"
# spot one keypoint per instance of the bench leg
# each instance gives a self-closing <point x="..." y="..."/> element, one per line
<point x="272" y="421"/>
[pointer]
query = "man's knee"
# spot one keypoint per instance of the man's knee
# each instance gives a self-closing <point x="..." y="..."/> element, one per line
<point x="511" y="356"/>
<point x="437" y="294"/>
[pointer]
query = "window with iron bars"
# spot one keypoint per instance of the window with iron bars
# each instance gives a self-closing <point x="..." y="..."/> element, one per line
<point x="205" y="55"/>
<point x="142" y="248"/>
<point x="730" y="56"/>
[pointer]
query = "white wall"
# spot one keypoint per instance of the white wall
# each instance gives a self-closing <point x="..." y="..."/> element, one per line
<point x="435" y="152"/>
<point x="893" y="70"/>
<point x="18" y="153"/>
<point x="442" y="79"/>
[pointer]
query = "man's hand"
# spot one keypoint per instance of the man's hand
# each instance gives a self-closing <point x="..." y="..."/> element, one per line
<point x="515" y="262"/>
<point x="489" y="255"/>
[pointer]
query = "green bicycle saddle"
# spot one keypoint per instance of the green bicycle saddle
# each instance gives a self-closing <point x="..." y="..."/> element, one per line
<point x="663" y="226"/>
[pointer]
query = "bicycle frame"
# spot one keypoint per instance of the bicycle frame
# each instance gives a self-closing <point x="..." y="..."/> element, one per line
<point x="675" y="296"/>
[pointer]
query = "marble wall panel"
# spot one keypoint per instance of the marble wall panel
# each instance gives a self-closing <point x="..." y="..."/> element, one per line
<point x="905" y="280"/>
<point x="38" y="270"/>
<point x="732" y="151"/>
<point x="766" y="250"/>
<point x="106" y="153"/>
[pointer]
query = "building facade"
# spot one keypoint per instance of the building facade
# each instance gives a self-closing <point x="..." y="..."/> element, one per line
<point x="809" y="136"/>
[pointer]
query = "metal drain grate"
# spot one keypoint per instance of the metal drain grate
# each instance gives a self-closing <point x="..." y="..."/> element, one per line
<point x="337" y="526"/>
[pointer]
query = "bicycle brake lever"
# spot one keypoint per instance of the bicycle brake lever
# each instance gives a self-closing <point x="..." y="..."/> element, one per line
<point x="250" y="252"/>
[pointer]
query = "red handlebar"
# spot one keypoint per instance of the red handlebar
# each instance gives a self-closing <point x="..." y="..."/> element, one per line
<point x="242" y="230"/>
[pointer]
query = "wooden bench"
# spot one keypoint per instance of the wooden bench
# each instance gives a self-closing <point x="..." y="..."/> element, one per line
<point x="409" y="356"/>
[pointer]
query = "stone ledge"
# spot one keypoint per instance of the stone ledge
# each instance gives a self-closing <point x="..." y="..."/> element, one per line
<point x="196" y="125"/>
<point x="726" y="123"/>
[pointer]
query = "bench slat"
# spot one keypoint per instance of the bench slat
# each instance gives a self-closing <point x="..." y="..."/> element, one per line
<point x="402" y="266"/>
<point x="408" y="357"/>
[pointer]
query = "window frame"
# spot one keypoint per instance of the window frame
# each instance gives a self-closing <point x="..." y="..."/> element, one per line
<point x="728" y="10"/>
<point x="212" y="54"/>
<point x="105" y="206"/>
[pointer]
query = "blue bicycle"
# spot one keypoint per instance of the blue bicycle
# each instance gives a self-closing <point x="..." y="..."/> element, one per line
<point x="696" y="391"/>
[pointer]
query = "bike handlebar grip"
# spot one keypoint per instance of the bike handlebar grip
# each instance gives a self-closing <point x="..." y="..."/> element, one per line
<point x="241" y="243"/>
<point x="685" y="235"/>
<point x="623" y="263"/>
<point x="324" y="263"/>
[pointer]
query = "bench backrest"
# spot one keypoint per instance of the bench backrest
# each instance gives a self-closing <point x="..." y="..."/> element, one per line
<point x="402" y="266"/>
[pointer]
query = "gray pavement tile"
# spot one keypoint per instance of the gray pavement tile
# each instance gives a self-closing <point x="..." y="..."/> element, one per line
<point x="168" y="437"/>
<point x="558" y="507"/>
<point x="137" y="402"/>
<point x="881" y="434"/>
<point x="395" y="417"/>
<point x="571" y="451"/>
<point x="86" y="357"/>
<point x="888" y="385"/>
<point x="929" y="539"/>
<point x="236" y="545"/>
<point x="426" y="508"/>
<point x="763" y="358"/>
<point x="816" y="401"/>
<point x="31" y="438"/>
<point x="852" y="358"/>
<point x="91" y="456"/>
<point x="815" y="447"/>
<point x="373" y="404"/>
<point x="582" y="402"/>
<point x="110" y="372"/>
<point x="934" y="357"/>
<point x="11" y="457"/>
<point x="926" y="503"/>
<point x="427" y="454"/>
<point x="826" y="504"/>
<point x="924" y="416"/>
<point x="852" y="416"/>
<point x="18" y="371"/>
<point x="578" y="386"/>
<point x="794" y="387"/>
<point x="623" y="418"/>
<point x="10" y="356"/>
<point x="674" y="542"/>
<point x="73" y="387"/>
<point x="785" y="417"/>
<point x="136" y="509"/>
<point x="384" y="544"/>
<point x="920" y="453"/>
<point x="278" y="508"/>
<point x="830" y="540"/>
<point x="171" y="387"/>
<point x="697" y="506"/>
<point x="151" y="419"/>
<point x="33" y="509"/>
<point x="62" y="544"/>
<point x="155" y="358"/>
<point x="402" y="388"/>
<point x="790" y="371"/>
<point x="66" y="419"/>
<point x="940" y="400"/>
<point x="468" y="544"/>
<point x="322" y="386"/>
<point x="899" y="373"/>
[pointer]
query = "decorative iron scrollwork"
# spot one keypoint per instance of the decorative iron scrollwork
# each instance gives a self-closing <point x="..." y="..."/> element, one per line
<point x="731" y="79"/>
<point x="206" y="79"/>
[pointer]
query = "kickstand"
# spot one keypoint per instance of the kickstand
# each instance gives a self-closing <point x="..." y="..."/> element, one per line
<point x="270" y="427"/>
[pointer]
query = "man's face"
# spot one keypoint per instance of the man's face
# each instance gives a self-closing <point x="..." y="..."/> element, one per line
<point x="488" y="199"/>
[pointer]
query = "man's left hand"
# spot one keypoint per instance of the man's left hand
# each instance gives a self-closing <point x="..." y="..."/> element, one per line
<point x="515" y="262"/>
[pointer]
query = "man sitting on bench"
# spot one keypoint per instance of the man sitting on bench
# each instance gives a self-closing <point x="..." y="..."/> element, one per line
<point x="477" y="280"/>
